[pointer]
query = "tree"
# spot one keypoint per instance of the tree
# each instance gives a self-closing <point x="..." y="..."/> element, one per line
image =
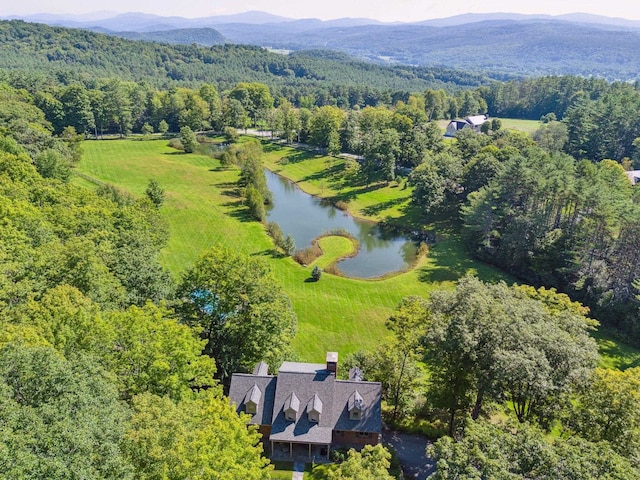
<point x="231" y="135"/>
<point x="608" y="409"/>
<point x="146" y="130"/>
<point x="163" y="127"/>
<point x="371" y="462"/>
<point x="60" y="419"/>
<point x="316" y="273"/>
<point x="73" y="140"/>
<point x="408" y="323"/>
<point x="552" y="136"/>
<point x="507" y="452"/>
<point x="51" y="164"/>
<point x="255" y="202"/>
<point x="155" y="193"/>
<point x="429" y="187"/>
<point x="199" y="437"/>
<point x="150" y="351"/>
<point x="77" y="109"/>
<point x="254" y="97"/>
<point x="495" y="341"/>
<point x="289" y="245"/>
<point x="188" y="139"/>
<point x="324" y="125"/>
<point x="244" y="314"/>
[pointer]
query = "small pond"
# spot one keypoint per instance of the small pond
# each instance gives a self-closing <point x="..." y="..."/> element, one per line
<point x="305" y="217"/>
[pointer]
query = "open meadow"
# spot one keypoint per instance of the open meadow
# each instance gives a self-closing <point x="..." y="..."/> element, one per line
<point x="203" y="209"/>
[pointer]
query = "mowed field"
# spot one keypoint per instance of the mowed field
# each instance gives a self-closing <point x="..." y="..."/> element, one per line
<point x="202" y="209"/>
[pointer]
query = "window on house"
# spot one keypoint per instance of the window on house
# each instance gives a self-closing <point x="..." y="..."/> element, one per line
<point x="250" y="408"/>
<point x="363" y="434"/>
<point x="355" y="415"/>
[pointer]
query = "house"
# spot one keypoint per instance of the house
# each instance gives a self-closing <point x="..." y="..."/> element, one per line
<point x="306" y="410"/>
<point x="634" y="176"/>
<point x="473" y="122"/>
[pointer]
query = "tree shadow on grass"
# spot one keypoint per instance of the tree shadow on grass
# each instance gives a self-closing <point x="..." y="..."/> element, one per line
<point x="298" y="156"/>
<point x="352" y="194"/>
<point x="450" y="262"/>
<point x="380" y="207"/>
<point x="331" y="174"/>
<point x="270" y="252"/>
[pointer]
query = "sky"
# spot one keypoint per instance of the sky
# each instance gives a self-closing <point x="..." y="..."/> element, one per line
<point x="388" y="11"/>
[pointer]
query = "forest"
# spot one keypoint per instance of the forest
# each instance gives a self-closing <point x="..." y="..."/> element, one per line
<point x="98" y="338"/>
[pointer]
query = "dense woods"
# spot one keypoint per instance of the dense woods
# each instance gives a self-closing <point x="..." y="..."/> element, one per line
<point x="90" y="318"/>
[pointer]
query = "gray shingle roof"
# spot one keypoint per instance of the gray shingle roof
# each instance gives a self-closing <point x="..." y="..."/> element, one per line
<point x="291" y="403"/>
<point x="253" y="395"/>
<point x="242" y="383"/>
<point x="315" y="404"/>
<point x="262" y="369"/>
<point x="314" y="389"/>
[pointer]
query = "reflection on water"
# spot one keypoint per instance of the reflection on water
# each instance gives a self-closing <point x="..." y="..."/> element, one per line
<point x="305" y="217"/>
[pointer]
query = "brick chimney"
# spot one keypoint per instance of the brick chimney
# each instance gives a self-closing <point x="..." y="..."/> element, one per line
<point x="332" y="362"/>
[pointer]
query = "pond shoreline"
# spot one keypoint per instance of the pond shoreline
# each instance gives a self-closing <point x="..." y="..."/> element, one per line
<point x="385" y="249"/>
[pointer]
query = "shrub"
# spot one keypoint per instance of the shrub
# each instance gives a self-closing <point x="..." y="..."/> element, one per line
<point x="176" y="143"/>
<point x="231" y="134"/>
<point x="316" y="273"/>
<point x="341" y="205"/>
<point x="255" y="202"/>
<point x="307" y="255"/>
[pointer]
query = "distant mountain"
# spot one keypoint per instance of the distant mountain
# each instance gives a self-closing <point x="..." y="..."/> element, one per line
<point x="505" y="43"/>
<point x="585" y="18"/>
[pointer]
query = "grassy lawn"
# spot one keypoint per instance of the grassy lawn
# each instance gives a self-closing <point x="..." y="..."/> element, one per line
<point x="528" y="126"/>
<point x="333" y="249"/>
<point x="615" y="354"/>
<point x="329" y="177"/>
<point x="282" y="471"/>
<point x="202" y="209"/>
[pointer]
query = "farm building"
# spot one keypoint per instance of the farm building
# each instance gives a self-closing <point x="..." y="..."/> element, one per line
<point x="473" y="122"/>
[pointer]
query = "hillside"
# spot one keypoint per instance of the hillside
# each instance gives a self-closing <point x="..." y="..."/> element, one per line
<point x="71" y="53"/>
<point x="503" y="43"/>
<point x="184" y="36"/>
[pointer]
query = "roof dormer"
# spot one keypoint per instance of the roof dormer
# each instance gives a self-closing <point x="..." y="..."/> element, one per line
<point x="291" y="407"/>
<point x="252" y="399"/>
<point x="356" y="406"/>
<point x="314" y="409"/>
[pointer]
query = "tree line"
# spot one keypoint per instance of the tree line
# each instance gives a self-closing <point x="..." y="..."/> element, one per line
<point x="498" y="368"/>
<point x="97" y="339"/>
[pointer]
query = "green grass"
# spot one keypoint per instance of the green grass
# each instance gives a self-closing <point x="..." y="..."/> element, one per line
<point x="528" y="126"/>
<point x="335" y="314"/>
<point x="329" y="177"/>
<point x="615" y="354"/>
<point x="202" y="209"/>
<point x="282" y="471"/>
<point x="333" y="249"/>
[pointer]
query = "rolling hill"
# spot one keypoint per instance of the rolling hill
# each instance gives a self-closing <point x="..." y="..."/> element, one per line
<point x="503" y="43"/>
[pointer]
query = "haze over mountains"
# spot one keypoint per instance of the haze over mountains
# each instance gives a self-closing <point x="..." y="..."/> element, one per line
<point x="503" y="43"/>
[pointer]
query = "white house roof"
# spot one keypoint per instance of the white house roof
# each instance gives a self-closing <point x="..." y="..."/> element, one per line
<point x="476" y="120"/>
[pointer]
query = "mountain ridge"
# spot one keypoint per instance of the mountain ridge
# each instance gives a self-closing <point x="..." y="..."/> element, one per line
<point x="254" y="17"/>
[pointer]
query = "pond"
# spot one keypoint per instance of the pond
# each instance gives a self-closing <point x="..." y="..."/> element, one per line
<point x="306" y="217"/>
